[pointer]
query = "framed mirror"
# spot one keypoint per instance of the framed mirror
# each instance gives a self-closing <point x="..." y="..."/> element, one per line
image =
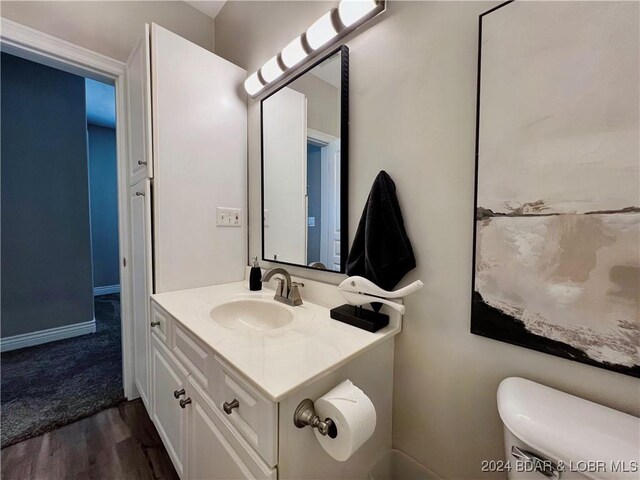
<point x="305" y="167"/>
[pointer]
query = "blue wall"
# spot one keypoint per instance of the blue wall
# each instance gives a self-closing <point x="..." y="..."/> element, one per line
<point x="46" y="254"/>
<point x="101" y="103"/>
<point x="103" y="187"/>
<point x="314" y="169"/>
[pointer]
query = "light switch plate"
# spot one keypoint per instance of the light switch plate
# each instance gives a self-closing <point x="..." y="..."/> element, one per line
<point x="228" y="217"/>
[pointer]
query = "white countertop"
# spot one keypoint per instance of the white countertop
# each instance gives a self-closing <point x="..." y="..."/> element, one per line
<point x="278" y="361"/>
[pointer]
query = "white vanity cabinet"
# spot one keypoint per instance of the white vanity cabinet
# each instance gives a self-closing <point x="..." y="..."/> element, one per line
<point x="232" y="427"/>
<point x="188" y="387"/>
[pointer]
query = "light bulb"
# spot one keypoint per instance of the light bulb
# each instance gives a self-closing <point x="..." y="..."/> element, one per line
<point x="253" y="84"/>
<point x="321" y="31"/>
<point x="271" y="70"/>
<point x="351" y="11"/>
<point x="293" y="53"/>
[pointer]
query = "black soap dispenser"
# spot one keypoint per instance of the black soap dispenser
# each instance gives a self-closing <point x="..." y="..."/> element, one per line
<point x="255" y="276"/>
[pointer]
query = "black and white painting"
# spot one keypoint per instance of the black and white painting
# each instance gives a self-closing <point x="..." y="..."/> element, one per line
<point x="557" y="227"/>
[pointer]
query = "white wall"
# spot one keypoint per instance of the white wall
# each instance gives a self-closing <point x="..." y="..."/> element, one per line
<point x="110" y="28"/>
<point x="323" y="103"/>
<point x="412" y="101"/>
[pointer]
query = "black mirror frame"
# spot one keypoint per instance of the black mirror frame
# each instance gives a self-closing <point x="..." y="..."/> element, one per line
<point x="344" y="159"/>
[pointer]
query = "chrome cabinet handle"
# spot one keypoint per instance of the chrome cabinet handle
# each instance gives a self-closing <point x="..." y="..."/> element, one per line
<point x="539" y="464"/>
<point x="177" y="393"/>
<point x="185" y="402"/>
<point x="141" y="162"/>
<point x="155" y="324"/>
<point x="228" y="407"/>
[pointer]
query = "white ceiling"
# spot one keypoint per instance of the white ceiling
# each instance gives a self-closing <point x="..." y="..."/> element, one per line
<point x="208" y="7"/>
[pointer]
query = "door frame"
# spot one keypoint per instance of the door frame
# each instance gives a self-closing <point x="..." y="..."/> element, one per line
<point x="31" y="44"/>
<point x="322" y="140"/>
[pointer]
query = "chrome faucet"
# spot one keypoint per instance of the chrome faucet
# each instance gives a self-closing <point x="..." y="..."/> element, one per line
<point x="287" y="291"/>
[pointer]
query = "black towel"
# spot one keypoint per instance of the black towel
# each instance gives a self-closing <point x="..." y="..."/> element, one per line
<point x="381" y="250"/>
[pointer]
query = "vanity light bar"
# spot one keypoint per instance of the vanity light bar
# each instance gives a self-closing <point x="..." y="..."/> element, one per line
<point x="271" y="70"/>
<point x="322" y="31"/>
<point x="332" y="26"/>
<point x="293" y="53"/>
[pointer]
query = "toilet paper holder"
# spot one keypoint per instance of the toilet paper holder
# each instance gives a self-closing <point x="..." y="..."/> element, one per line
<point x="305" y="414"/>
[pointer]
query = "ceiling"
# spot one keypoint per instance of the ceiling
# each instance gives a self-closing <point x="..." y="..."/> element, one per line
<point x="208" y="7"/>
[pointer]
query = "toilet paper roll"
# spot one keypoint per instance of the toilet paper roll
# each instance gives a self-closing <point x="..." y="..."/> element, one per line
<point x="354" y="416"/>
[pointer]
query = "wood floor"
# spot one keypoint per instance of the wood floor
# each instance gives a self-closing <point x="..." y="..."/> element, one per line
<point x="118" y="443"/>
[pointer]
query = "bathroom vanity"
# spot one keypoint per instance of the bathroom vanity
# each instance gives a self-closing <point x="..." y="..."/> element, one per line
<point x="229" y="367"/>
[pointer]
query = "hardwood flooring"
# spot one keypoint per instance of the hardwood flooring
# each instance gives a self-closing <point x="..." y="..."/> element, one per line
<point x="118" y="443"/>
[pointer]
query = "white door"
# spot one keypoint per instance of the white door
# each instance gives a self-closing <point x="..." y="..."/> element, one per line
<point x="216" y="452"/>
<point x="140" y="267"/>
<point x="285" y="176"/>
<point x="330" y="232"/>
<point x="200" y="163"/>
<point x="139" y="109"/>
<point x="169" y="417"/>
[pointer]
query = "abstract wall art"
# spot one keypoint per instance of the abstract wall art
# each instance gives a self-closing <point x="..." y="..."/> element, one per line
<point x="557" y="217"/>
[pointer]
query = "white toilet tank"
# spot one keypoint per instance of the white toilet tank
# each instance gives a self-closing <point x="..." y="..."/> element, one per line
<point x="565" y="436"/>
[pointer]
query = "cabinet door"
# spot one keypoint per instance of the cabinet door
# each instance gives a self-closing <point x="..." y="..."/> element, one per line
<point x="140" y="265"/>
<point x="139" y="108"/>
<point x="200" y="163"/>
<point x="169" y="417"/>
<point x="216" y="451"/>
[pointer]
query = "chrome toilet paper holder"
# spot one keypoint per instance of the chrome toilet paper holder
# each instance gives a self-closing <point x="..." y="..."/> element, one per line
<point x="305" y="414"/>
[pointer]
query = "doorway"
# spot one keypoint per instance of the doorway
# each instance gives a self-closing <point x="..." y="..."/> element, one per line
<point x="62" y="353"/>
<point x="323" y="200"/>
<point x="103" y="186"/>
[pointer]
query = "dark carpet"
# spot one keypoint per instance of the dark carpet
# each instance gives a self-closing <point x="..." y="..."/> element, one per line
<point x="50" y="385"/>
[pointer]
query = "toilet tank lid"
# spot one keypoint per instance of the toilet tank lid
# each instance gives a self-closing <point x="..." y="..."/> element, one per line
<point x="570" y="429"/>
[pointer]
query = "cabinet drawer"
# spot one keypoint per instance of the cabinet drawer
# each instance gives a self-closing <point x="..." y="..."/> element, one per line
<point x="192" y="353"/>
<point x="159" y="322"/>
<point x="216" y="450"/>
<point x="255" y="417"/>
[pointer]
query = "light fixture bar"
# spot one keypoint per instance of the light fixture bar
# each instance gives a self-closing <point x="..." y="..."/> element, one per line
<point x="253" y="84"/>
<point x="293" y="53"/>
<point x="350" y="11"/>
<point x="271" y="70"/>
<point x="323" y="33"/>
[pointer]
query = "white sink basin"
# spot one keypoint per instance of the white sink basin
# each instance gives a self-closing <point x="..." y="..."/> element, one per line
<point x="252" y="315"/>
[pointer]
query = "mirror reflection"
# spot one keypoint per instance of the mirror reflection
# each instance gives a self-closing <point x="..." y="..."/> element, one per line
<point x="303" y="165"/>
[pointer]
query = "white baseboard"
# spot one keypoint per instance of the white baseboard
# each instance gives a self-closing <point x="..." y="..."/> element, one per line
<point x="46" y="336"/>
<point x="107" y="289"/>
